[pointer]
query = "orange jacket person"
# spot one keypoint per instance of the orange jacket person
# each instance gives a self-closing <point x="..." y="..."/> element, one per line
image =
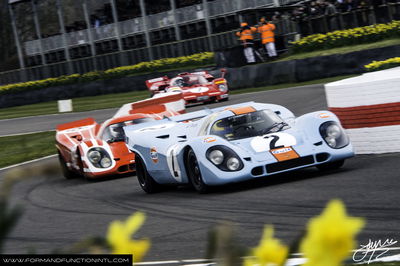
<point x="246" y="37"/>
<point x="268" y="36"/>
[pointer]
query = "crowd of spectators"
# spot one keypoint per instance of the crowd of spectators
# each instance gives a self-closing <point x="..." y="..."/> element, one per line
<point x="317" y="8"/>
<point x="314" y="9"/>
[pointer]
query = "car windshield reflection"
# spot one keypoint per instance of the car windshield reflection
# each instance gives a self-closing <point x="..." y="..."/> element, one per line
<point x="188" y="81"/>
<point x="248" y="125"/>
<point x="115" y="132"/>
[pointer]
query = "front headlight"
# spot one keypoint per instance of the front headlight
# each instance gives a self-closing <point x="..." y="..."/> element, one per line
<point x="333" y="135"/>
<point x="99" y="157"/>
<point x="233" y="163"/>
<point x="224" y="158"/>
<point x="105" y="162"/>
<point x="223" y="87"/>
<point x="216" y="157"/>
<point x="94" y="156"/>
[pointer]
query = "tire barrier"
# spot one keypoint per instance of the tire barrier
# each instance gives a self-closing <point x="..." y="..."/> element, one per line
<point x="369" y="108"/>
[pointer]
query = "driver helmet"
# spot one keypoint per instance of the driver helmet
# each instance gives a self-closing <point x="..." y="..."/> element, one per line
<point x="174" y="89"/>
<point x="222" y="129"/>
<point x="179" y="82"/>
<point x="116" y="130"/>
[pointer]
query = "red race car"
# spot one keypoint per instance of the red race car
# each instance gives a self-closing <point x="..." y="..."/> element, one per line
<point x="196" y="87"/>
<point x="93" y="150"/>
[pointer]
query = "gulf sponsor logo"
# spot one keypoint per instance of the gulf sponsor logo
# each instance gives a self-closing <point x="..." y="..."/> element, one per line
<point x="324" y="115"/>
<point x="282" y="150"/>
<point x="154" y="155"/>
<point x="209" y="139"/>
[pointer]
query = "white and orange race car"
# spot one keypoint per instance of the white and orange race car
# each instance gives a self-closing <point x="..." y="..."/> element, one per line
<point x="196" y="87"/>
<point x="93" y="150"/>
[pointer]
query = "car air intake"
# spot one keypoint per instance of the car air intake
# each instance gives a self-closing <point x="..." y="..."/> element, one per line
<point x="280" y="166"/>
<point x="123" y="168"/>
<point x="257" y="170"/>
<point x="321" y="157"/>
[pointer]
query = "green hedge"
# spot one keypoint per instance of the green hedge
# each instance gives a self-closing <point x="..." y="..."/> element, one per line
<point x="348" y="37"/>
<point x="200" y="59"/>
<point x="384" y="64"/>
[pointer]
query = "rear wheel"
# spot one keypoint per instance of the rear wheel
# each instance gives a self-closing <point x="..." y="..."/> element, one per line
<point x="330" y="166"/>
<point x="194" y="174"/>
<point x="68" y="174"/>
<point x="146" y="181"/>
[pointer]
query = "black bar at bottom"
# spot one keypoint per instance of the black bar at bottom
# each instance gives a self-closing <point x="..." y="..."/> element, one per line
<point x="61" y="260"/>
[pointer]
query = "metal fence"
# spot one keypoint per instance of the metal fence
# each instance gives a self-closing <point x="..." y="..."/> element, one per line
<point x="134" y="26"/>
<point x="128" y="57"/>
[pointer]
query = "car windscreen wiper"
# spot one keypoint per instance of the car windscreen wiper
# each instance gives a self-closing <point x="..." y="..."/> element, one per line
<point x="278" y="125"/>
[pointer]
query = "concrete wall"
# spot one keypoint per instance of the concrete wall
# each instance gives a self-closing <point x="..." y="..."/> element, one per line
<point x="238" y="77"/>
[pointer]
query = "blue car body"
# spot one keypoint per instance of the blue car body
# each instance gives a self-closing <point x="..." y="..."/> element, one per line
<point x="296" y="143"/>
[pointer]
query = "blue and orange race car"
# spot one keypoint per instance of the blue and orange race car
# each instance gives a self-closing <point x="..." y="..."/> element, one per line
<point x="234" y="143"/>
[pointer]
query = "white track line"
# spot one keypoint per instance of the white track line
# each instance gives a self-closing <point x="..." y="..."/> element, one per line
<point x="26" y="133"/>
<point x="66" y="113"/>
<point x="27" y="162"/>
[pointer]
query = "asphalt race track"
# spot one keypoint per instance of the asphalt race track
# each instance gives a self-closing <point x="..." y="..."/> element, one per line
<point x="313" y="95"/>
<point x="58" y="212"/>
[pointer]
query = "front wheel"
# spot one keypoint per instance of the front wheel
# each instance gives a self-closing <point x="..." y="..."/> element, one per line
<point x="330" y="166"/>
<point x="194" y="174"/>
<point x="146" y="181"/>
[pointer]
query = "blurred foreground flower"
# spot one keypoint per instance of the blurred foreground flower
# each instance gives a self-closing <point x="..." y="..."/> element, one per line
<point x="269" y="252"/>
<point x="330" y="236"/>
<point x="119" y="236"/>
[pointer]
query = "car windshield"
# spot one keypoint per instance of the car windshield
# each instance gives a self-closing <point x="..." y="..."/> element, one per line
<point x="115" y="132"/>
<point x="248" y="125"/>
<point x="190" y="80"/>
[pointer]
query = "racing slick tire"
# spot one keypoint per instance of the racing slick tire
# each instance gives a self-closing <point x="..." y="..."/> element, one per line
<point x="193" y="172"/>
<point x="67" y="173"/>
<point x="330" y="166"/>
<point x="145" y="180"/>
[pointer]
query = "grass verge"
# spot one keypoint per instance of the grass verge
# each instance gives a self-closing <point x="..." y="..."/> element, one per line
<point x="22" y="148"/>
<point x="118" y="99"/>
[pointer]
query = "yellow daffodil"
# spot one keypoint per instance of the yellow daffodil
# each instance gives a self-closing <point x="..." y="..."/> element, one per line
<point x="119" y="237"/>
<point x="269" y="252"/>
<point x="330" y="236"/>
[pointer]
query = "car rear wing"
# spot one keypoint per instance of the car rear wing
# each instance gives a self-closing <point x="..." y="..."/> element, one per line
<point x="172" y="102"/>
<point x="76" y="124"/>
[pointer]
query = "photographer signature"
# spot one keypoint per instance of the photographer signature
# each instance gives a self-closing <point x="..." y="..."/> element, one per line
<point x="377" y="248"/>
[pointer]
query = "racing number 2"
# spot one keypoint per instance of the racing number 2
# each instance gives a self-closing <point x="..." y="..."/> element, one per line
<point x="272" y="144"/>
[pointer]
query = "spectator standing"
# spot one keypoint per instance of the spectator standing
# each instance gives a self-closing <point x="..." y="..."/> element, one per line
<point x="246" y="37"/>
<point x="331" y="12"/>
<point x="268" y="37"/>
